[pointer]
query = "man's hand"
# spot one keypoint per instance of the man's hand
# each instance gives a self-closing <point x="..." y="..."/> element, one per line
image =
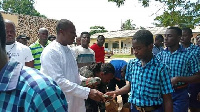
<point x="112" y="94"/>
<point x="198" y="96"/>
<point x="174" y="80"/>
<point x="96" y="95"/>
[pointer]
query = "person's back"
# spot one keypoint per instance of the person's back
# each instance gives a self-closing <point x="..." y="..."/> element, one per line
<point x="28" y="90"/>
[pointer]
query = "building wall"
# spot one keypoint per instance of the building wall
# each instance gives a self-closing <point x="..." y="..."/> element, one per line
<point x="29" y="25"/>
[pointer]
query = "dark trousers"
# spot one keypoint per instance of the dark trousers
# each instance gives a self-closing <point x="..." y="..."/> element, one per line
<point x="120" y="83"/>
<point x="180" y="100"/>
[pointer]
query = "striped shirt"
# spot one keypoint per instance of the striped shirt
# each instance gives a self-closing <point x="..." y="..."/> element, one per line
<point x="23" y="89"/>
<point x="148" y="83"/>
<point x="181" y="62"/>
<point x="36" y="49"/>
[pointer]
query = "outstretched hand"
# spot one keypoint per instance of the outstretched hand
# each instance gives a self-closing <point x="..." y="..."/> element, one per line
<point x="96" y="95"/>
<point x="112" y="94"/>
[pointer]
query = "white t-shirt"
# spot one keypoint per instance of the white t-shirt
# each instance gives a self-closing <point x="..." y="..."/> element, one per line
<point x="84" y="55"/>
<point x="19" y="52"/>
<point x="59" y="62"/>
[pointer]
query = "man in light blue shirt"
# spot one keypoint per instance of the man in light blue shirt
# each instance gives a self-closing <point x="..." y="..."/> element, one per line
<point x="158" y="44"/>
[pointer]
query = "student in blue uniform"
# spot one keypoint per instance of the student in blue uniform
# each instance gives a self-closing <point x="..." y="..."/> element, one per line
<point x="184" y="68"/>
<point x="149" y="80"/>
<point x="194" y="89"/>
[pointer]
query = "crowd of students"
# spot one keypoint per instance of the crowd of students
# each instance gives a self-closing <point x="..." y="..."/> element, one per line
<point x="159" y="79"/>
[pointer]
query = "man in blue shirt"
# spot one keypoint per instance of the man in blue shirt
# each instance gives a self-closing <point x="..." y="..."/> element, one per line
<point x="158" y="44"/>
<point x="118" y="79"/>
<point x="194" y="89"/>
<point x="149" y="80"/>
<point x="23" y="89"/>
<point x="184" y="68"/>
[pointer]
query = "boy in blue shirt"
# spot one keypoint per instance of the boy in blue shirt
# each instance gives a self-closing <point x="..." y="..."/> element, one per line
<point x="149" y="80"/>
<point x="184" y="68"/>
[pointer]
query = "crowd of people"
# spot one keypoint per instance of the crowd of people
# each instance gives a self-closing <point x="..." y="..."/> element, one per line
<point x="46" y="76"/>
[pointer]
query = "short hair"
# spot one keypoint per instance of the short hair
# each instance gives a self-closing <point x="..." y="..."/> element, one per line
<point x="177" y="29"/>
<point x="63" y="24"/>
<point x="143" y="36"/>
<point x="84" y="33"/>
<point x="102" y="67"/>
<point x="43" y="29"/>
<point x="159" y="36"/>
<point x="107" y="68"/>
<point x="2" y="33"/>
<point x="188" y="30"/>
<point x="9" y="21"/>
<point x="100" y="36"/>
<point x="51" y="36"/>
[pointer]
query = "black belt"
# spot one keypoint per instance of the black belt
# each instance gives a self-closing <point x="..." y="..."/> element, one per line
<point x="147" y="108"/>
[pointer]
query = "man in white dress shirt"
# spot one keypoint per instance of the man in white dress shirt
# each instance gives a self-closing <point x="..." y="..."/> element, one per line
<point x="58" y="60"/>
<point x="16" y="50"/>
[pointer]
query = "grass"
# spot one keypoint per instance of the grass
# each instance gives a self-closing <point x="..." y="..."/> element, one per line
<point x="122" y="56"/>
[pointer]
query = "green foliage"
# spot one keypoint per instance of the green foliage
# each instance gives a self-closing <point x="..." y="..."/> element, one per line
<point x="20" y="7"/>
<point x="97" y="29"/>
<point x="128" y="25"/>
<point x="118" y="2"/>
<point x="183" y="13"/>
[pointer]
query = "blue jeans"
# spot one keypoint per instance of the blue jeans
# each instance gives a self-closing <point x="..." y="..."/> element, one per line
<point x="133" y="109"/>
<point x="180" y="100"/>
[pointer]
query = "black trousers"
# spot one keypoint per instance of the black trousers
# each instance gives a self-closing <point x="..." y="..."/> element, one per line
<point x="120" y="83"/>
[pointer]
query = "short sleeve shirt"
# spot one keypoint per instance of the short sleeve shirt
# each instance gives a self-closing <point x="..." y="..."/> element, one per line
<point x="99" y="53"/>
<point x="148" y="83"/>
<point x="181" y="62"/>
<point x="23" y="89"/>
<point x="19" y="52"/>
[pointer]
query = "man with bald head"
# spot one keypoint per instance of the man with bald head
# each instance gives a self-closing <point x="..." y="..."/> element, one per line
<point x="58" y="60"/>
<point x="14" y="49"/>
<point x="38" y="46"/>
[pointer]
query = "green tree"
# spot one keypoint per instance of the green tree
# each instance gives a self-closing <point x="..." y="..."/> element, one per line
<point x="97" y="29"/>
<point x="20" y="7"/>
<point x="184" y="13"/>
<point x="128" y="25"/>
<point x="180" y="13"/>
